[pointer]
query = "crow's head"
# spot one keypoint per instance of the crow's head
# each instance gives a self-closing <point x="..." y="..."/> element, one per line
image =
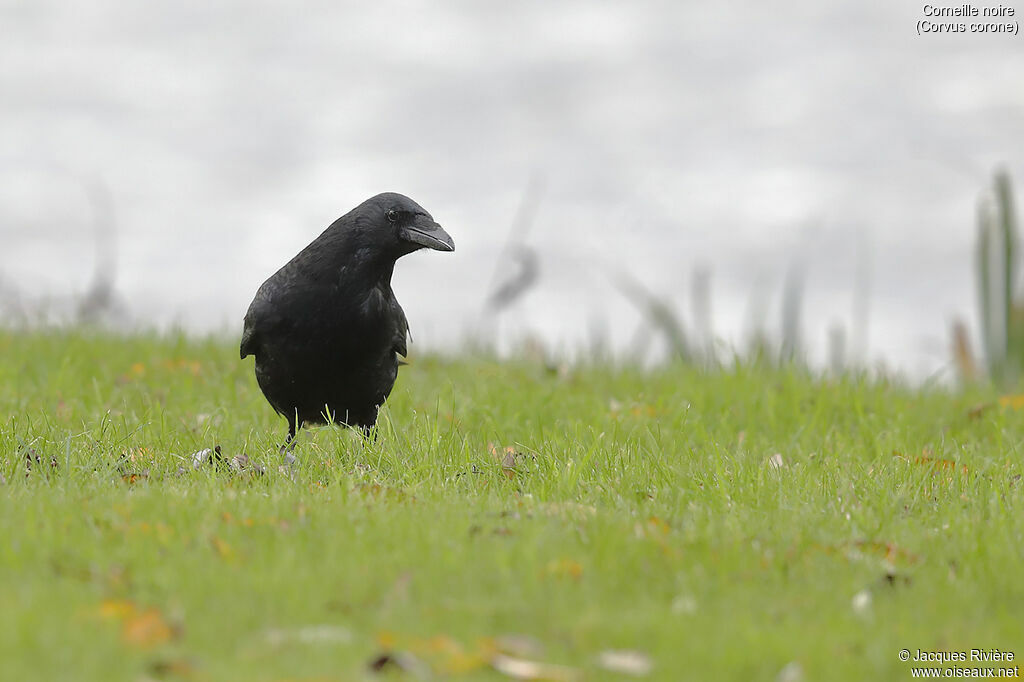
<point x="402" y="224"/>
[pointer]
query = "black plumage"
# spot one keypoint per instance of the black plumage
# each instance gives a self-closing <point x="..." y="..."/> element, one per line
<point x="326" y="329"/>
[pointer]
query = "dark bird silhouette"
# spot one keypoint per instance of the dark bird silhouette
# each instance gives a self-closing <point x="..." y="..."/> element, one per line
<point x="326" y="329"/>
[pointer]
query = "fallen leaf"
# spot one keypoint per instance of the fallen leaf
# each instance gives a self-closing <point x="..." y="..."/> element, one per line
<point x="523" y="669"/>
<point x="643" y="411"/>
<point x="889" y="552"/>
<point x="213" y="457"/>
<point x="381" y="492"/>
<point x="241" y="463"/>
<point x="565" y="568"/>
<point x="776" y="461"/>
<point x="519" y="645"/>
<point x="791" y="672"/>
<point x="927" y="459"/>
<point x="115" y="609"/>
<point x="222" y="548"/>
<point x="627" y="662"/>
<point x="387" y="639"/>
<point x="658" y="525"/>
<point x="439" y="653"/>
<point x="636" y="409"/>
<point x="940" y="464"/>
<point x="512" y="461"/>
<point x="977" y="410"/>
<point x="146" y="629"/>
<point x="131" y="464"/>
<point x="190" y="366"/>
<point x="401" y="660"/>
<point x="1014" y="402"/>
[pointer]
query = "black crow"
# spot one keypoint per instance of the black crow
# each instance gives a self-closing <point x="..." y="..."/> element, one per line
<point x="326" y="328"/>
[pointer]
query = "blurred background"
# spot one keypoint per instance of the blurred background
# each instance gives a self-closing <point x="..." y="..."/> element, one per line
<point x="629" y="177"/>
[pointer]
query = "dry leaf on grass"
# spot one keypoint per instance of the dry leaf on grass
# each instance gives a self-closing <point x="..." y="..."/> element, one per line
<point x="380" y="492"/>
<point x="565" y="568"/>
<point x="445" y="656"/>
<point x="423" y="655"/>
<point x="512" y="461"/>
<point x="208" y="456"/>
<point x="115" y="609"/>
<point x="888" y="551"/>
<point x="1014" y="402"/>
<point x="888" y="554"/>
<point x="625" y="661"/>
<point x="133" y="467"/>
<point x="976" y="411"/>
<point x="224" y="550"/>
<point x="518" y="645"/>
<point x="655" y="526"/>
<point x="399" y="660"/>
<point x="523" y="669"/>
<point x="242" y="464"/>
<point x="791" y="672"/>
<point x="146" y="629"/>
<point x="141" y="627"/>
<point x="132" y="477"/>
<point x="940" y="464"/>
<point x="635" y="409"/>
<point x="927" y="460"/>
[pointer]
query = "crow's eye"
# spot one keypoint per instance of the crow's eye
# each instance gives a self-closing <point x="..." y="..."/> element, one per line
<point x="392" y="215"/>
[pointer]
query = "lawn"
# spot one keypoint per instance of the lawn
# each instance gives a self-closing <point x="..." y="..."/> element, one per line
<point x="594" y="522"/>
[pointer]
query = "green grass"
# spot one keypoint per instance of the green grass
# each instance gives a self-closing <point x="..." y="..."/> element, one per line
<point x="643" y="514"/>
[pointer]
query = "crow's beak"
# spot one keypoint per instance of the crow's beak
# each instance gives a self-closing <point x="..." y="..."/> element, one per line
<point x="423" y="231"/>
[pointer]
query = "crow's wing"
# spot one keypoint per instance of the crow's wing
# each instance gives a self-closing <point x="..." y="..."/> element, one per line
<point x="265" y="318"/>
<point x="258" y="317"/>
<point x="248" y="345"/>
<point x="399" y="342"/>
<point x="250" y="338"/>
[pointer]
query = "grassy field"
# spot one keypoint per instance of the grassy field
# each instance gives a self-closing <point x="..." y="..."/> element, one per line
<point x="591" y="524"/>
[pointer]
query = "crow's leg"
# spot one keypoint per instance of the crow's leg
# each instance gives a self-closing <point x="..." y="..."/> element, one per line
<point x="289" y="441"/>
<point x="370" y="430"/>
